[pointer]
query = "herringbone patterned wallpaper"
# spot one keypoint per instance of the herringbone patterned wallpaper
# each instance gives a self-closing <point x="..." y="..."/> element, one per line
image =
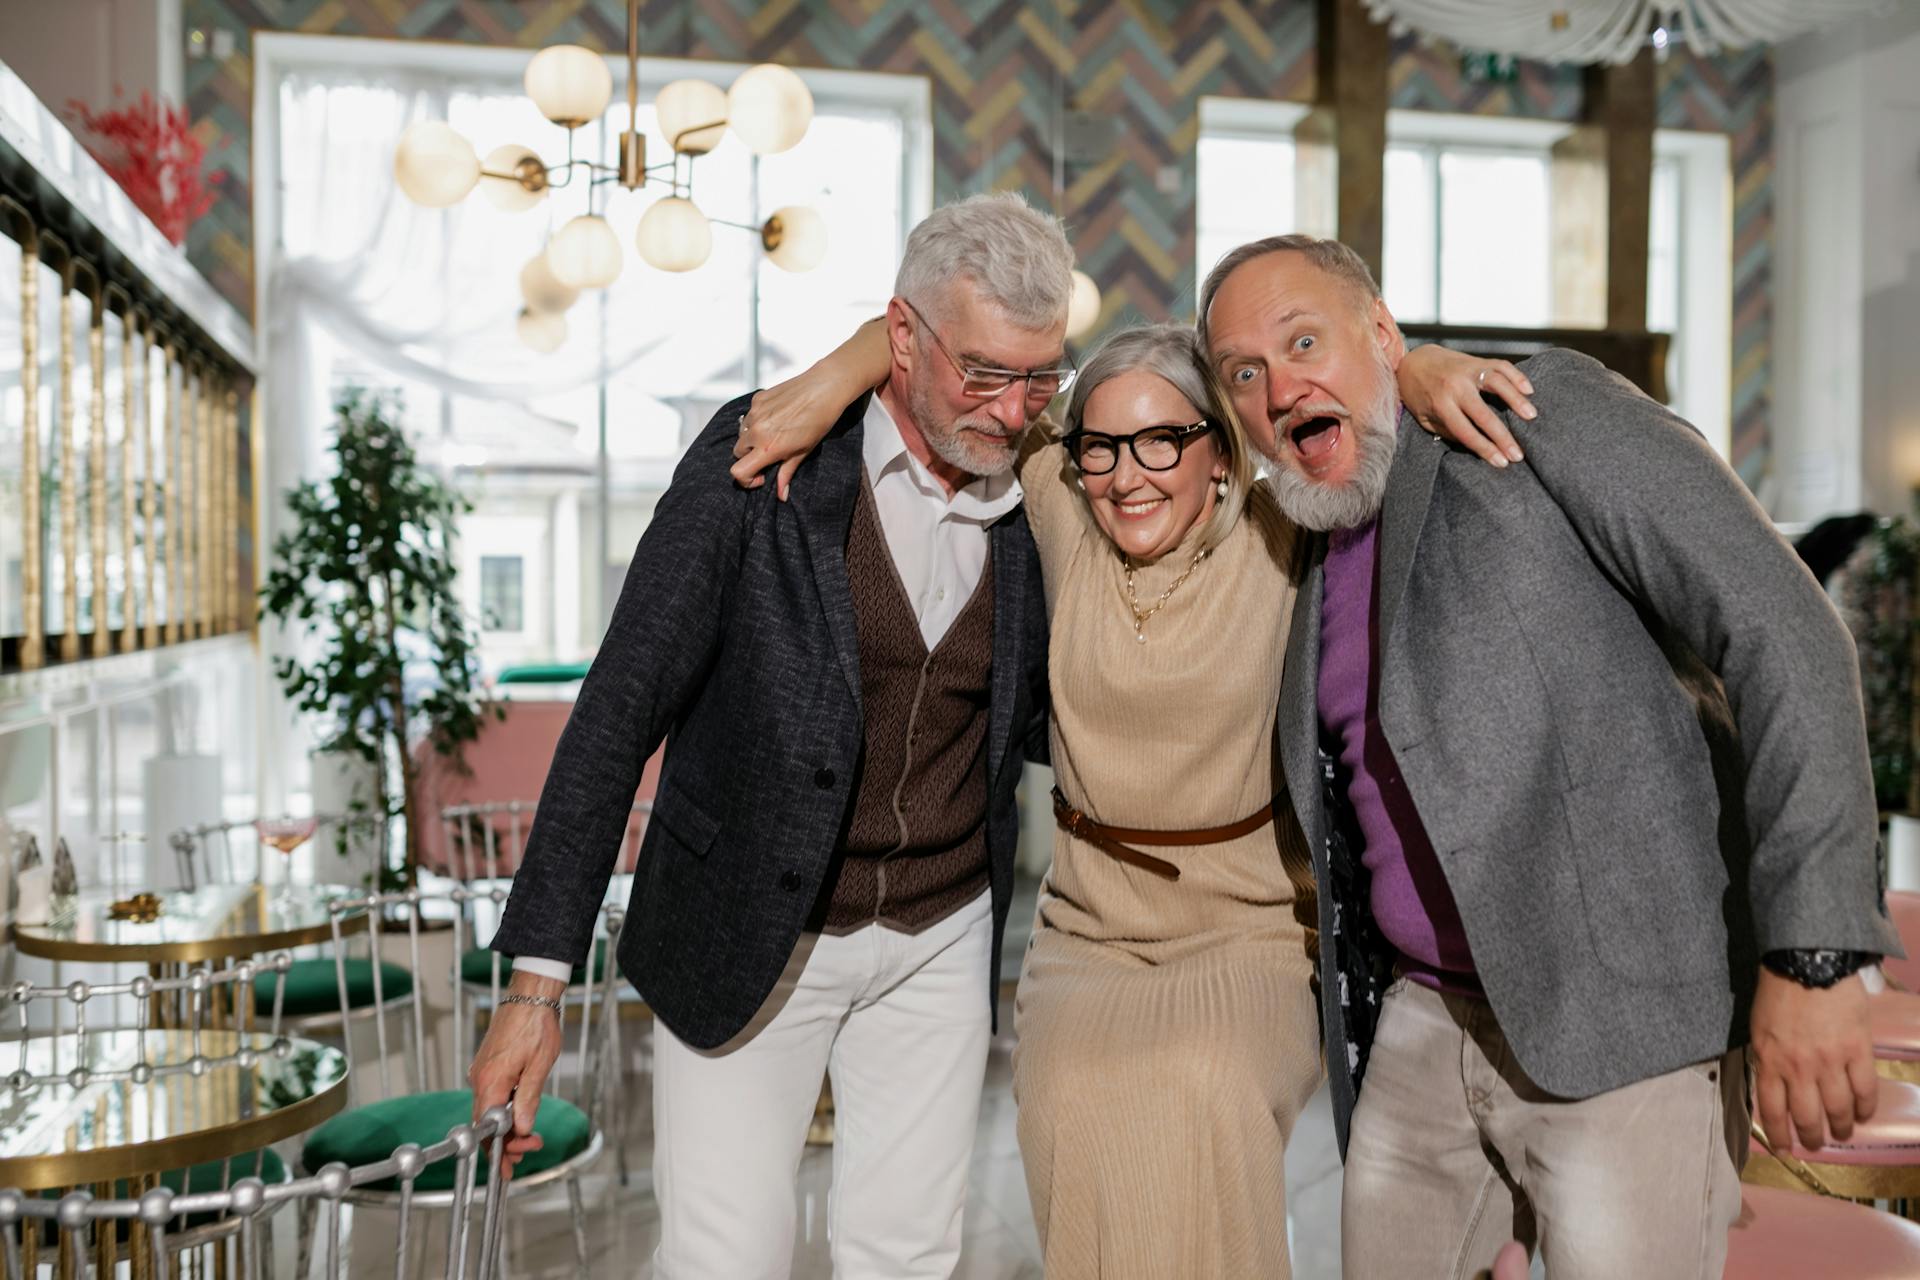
<point x="995" y="67"/>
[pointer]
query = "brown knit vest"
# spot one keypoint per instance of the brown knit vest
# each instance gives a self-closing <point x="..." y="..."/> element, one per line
<point x="915" y="847"/>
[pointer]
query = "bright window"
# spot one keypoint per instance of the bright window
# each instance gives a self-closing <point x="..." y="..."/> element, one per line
<point x="574" y="471"/>
<point x="502" y="607"/>
<point x="1467" y="232"/>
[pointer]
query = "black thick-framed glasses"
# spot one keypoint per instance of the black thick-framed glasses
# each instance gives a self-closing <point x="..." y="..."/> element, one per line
<point x="984" y="382"/>
<point x="1155" y="448"/>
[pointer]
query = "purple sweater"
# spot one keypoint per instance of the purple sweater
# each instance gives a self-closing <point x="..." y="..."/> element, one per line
<point x="1411" y="901"/>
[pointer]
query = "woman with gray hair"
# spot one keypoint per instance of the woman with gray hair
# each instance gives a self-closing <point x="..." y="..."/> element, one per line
<point x="1167" y="1031"/>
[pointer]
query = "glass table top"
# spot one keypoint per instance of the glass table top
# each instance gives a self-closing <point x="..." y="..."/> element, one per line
<point x="190" y="1097"/>
<point x="209" y="923"/>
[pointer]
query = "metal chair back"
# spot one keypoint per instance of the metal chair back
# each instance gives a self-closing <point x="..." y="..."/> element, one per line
<point x="212" y="853"/>
<point x="487" y="841"/>
<point x="190" y="1002"/>
<point x="161" y="1223"/>
<point x="389" y="913"/>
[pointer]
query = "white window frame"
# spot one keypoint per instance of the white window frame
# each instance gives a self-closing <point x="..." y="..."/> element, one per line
<point x="1251" y="120"/>
<point x="1704" y="162"/>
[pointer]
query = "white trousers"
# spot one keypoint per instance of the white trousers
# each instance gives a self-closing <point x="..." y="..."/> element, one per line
<point x="901" y="1023"/>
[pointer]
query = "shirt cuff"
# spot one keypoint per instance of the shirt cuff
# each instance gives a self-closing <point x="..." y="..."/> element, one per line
<point x="540" y="967"/>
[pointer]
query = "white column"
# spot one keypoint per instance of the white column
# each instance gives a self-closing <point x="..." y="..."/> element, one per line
<point x="1846" y="410"/>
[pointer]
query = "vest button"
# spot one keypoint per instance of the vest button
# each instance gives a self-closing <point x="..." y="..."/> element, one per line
<point x="789" y="880"/>
<point x="824" y="779"/>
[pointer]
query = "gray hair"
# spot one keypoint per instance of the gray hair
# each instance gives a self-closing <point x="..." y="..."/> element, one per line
<point x="1015" y="255"/>
<point x="1330" y="256"/>
<point x="1170" y="353"/>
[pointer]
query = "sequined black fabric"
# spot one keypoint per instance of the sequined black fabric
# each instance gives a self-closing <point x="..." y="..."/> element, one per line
<point x="1362" y="959"/>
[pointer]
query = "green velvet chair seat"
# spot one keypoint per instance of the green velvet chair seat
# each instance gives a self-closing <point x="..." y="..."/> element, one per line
<point x="477" y="967"/>
<point x="366" y="1134"/>
<point x="312" y="987"/>
<point x="544" y="673"/>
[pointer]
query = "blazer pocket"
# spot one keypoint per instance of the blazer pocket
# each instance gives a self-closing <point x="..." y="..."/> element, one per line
<point x="683" y="822"/>
<point x="1651" y="877"/>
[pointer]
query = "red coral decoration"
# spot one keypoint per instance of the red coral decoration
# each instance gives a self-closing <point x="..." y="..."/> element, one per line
<point x="149" y="149"/>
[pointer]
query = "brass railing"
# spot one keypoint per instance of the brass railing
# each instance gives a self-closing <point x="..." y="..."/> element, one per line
<point x="142" y="537"/>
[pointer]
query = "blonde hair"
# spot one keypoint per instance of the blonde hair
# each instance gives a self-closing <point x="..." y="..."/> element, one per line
<point x="1172" y="353"/>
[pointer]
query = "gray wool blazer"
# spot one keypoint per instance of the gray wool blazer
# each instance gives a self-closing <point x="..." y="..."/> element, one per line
<point x="734" y="641"/>
<point x="1632" y="725"/>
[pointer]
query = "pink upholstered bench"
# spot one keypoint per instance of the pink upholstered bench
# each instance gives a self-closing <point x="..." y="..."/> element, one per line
<point x="1789" y="1235"/>
<point x="1903" y="908"/>
<point x="1896" y="1033"/>
<point x="508" y="762"/>
<point x="1881" y="1161"/>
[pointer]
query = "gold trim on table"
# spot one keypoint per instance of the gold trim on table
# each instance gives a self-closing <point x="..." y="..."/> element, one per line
<point x="195" y="1146"/>
<point x="246" y="900"/>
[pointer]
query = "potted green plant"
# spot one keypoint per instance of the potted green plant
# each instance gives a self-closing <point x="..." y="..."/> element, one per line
<point x="367" y="568"/>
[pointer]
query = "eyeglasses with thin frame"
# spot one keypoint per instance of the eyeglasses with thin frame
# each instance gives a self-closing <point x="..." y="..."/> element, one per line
<point x="983" y="382"/>
<point x="1154" y="448"/>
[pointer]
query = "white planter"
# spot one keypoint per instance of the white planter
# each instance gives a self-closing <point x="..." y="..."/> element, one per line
<point x="180" y="791"/>
<point x="344" y="783"/>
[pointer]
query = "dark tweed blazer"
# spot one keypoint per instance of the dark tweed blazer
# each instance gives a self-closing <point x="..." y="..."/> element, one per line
<point x="1631" y="722"/>
<point x="734" y="640"/>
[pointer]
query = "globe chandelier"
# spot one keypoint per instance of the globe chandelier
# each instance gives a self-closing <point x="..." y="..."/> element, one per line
<point x="768" y="107"/>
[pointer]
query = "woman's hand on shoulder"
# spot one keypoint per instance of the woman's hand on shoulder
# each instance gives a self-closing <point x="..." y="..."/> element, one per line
<point x="1446" y="392"/>
<point x="788" y="420"/>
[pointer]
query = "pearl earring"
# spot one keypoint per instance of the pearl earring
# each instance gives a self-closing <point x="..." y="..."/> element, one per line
<point x="1221" y="488"/>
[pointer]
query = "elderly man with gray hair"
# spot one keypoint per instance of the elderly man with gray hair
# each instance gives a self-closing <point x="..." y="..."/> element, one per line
<point x="1578" y="748"/>
<point x="847" y="683"/>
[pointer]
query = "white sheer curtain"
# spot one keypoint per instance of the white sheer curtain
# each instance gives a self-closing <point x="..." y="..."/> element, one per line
<point x="562" y="454"/>
<point x="425" y="296"/>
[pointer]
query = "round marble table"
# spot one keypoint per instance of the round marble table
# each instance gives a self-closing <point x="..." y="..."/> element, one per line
<point x="188" y="1098"/>
<point x="215" y="922"/>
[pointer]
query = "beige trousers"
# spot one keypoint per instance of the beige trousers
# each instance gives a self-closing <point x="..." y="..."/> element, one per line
<point x="1453" y="1152"/>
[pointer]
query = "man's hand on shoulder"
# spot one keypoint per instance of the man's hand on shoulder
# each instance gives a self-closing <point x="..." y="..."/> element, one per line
<point x="1813" y="1060"/>
<point x="521" y="1046"/>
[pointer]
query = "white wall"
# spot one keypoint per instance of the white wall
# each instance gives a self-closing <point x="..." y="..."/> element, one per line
<point x="1847" y="269"/>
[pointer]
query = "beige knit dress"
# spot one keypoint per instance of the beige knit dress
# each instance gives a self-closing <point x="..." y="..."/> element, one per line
<point x="1167" y="1033"/>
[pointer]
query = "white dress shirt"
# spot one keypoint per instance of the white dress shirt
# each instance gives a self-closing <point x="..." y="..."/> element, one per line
<point x="939" y="544"/>
<point x="939" y="547"/>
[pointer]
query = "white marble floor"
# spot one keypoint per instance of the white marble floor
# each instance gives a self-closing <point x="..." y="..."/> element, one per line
<point x="623" y="1223"/>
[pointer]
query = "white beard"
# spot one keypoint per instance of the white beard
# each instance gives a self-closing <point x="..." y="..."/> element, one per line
<point x="1313" y="504"/>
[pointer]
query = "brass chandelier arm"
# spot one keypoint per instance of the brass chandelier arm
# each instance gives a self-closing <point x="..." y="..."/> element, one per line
<point x="674" y="141"/>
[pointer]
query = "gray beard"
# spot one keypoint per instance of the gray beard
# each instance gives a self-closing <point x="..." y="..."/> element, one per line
<point x="1325" y="507"/>
<point x="950" y="446"/>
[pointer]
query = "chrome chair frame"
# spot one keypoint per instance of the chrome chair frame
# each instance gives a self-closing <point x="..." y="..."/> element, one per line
<point x="457" y="825"/>
<point x="198" y="987"/>
<point x="193" y="846"/>
<point x="588" y="1049"/>
<point x="246" y="1206"/>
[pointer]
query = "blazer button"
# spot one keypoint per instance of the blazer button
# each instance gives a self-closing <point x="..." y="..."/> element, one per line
<point x="789" y="880"/>
<point x="824" y="779"/>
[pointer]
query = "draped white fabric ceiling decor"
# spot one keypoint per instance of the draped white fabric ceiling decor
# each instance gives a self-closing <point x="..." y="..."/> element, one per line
<point x="1589" y="31"/>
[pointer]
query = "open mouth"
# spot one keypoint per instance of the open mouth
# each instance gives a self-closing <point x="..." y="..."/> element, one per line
<point x="1316" y="438"/>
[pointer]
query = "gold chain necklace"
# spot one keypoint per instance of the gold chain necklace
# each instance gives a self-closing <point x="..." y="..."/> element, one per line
<point x="1133" y="603"/>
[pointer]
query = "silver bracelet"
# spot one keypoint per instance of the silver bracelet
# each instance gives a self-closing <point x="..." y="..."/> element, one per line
<point x="545" y="1002"/>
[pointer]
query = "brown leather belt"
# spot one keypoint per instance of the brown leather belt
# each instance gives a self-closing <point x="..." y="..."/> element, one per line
<point x="1108" y="839"/>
